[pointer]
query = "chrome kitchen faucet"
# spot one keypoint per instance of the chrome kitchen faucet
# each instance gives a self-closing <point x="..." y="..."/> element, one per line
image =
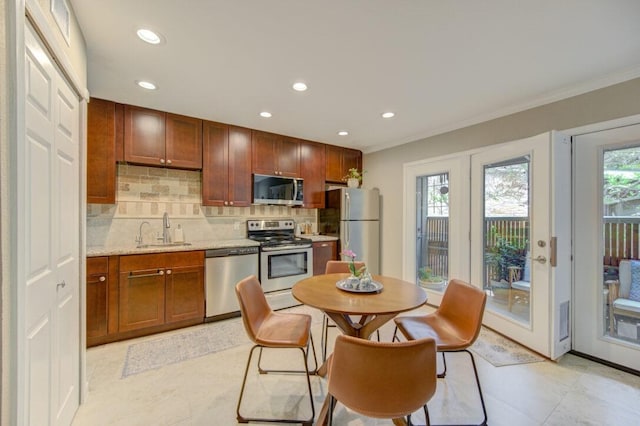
<point x="166" y="237"/>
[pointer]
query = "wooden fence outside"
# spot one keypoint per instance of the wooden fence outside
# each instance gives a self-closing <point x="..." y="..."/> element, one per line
<point x="621" y="238"/>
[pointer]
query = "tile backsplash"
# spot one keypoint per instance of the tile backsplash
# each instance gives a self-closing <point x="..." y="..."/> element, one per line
<point x="146" y="193"/>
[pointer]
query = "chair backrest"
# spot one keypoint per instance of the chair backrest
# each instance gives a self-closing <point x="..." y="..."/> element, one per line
<point x="463" y="306"/>
<point x="383" y="379"/>
<point x="253" y="305"/>
<point x="340" y="267"/>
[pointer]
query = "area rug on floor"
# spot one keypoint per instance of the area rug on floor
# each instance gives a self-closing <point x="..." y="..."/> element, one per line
<point x="191" y="343"/>
<point x="499" y="350"/>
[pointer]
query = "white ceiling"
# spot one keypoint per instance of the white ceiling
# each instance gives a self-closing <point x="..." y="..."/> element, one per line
<point x="439" y="65"/>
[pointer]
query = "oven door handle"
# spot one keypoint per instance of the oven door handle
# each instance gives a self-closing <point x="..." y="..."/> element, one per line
<point x="286" y="247"/>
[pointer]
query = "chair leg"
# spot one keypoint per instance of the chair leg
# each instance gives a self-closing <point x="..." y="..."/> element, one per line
<point x="395" y="337"/>
<point x="332" y="406"/>
<point x="324" y="338"/>
<point x="475" y="372"/>
<point x="307" y="422"/>
<point x="444" y="372"/>
<point x="426" y="415"/>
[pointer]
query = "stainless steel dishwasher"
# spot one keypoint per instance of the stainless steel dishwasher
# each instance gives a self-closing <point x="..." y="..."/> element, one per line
<point x="224" y="267"/>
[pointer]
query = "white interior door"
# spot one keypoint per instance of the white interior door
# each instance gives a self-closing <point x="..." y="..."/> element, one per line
<point x="518" y="212"/>
<point x="50" y="269"/>
<point x="607" y="206"/>
<point x="436" y="224"/>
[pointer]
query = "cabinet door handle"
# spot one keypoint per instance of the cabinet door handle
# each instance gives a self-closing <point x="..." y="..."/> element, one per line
<point x="61" y="285"/>
<point x="162" y="161"/>
<point x="168" y="161"/>
<point x="168" y="271"/>
<point x="102" y="278"/>
<point x="157" y="274"/>
<point x="230" y="203"/>
<point x="226" y="203"/>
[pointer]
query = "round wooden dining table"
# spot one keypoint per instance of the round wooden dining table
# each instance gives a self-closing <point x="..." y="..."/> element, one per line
<point x="371" y="310"/>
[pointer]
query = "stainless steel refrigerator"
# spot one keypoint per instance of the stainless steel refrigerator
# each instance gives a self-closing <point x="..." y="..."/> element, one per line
<point x="353" y="215"/>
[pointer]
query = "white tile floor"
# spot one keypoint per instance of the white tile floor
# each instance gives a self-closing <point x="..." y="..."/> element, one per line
<point x="204" y="391"/>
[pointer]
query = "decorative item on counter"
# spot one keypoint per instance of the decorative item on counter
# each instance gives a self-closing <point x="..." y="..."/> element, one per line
<point x="354" y="178"/>
<point x="360" y="280"/>
<point x="178" y="236"/>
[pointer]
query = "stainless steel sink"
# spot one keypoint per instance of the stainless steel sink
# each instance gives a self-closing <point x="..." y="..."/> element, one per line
<point x="163" y="245"/>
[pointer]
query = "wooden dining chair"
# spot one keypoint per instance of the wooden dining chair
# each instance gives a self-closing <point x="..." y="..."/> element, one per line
<point x="269" y="329"/>
<point x="383" y="380"/>
<point x="455" y="325"/>
<point x="335" y="267"/>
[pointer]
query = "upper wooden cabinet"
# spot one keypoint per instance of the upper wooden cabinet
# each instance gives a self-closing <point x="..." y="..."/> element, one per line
<point x="339" y="160"/>
<point x="157" y="138"/>
<point x="312" y="159"/>
<point x="226" y="166"/>
<point x="275" y="154"/>
<point x="104" y="127"/>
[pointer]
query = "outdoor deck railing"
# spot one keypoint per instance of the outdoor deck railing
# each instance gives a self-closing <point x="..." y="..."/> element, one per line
<point x="621" y="238"/>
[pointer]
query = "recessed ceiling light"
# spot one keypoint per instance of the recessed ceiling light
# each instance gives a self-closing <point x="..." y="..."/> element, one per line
<point x="265" y="114"/>
<point x="299" y="86"/>
<point x="149" y="36"/>
<point x="147" y="85"/>
<point x="388" y="114"/>
<point x="343" y="133"/>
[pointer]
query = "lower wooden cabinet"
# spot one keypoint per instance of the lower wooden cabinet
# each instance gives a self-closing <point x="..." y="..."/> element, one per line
<point x="323" y="251"/>
<point x="160" y="289"/>
<point x="102" y="302"/>
<point x="135" y="295"/>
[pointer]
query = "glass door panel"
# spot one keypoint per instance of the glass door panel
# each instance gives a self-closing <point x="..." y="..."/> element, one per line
<point x="436" y="224"/>
<point x="620" y="223"/>
<point x="607" y="246"/>
<point x="507" y="271"/>
<point x="432" y="231"/>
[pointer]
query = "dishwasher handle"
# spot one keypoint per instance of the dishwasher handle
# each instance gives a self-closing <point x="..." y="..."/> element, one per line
<point x="231" y="251"/>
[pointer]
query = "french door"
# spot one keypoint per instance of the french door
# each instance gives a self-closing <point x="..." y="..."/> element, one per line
<point x="607" y="210"/>
<point x="436" y="225"/>
<point x="520" y="239"/>
<point x="499" y="219"/>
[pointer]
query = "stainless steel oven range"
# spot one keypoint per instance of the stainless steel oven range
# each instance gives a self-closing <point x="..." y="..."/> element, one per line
<point x="284" y="259"/>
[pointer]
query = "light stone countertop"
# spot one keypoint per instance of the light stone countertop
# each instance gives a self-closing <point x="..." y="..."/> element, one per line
<point x="192" y="245"/>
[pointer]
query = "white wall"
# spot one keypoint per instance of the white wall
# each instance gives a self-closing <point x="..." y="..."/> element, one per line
<point x="384" y="168"/>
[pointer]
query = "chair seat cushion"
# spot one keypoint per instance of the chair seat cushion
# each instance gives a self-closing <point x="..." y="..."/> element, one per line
<point x="521" y="285"/>
<point x="284" y="330"/>
<point x="447" y="339"/>
<point x="627" y="305"/>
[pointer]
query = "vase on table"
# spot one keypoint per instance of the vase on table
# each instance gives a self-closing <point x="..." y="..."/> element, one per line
<point x="353" y="183"/>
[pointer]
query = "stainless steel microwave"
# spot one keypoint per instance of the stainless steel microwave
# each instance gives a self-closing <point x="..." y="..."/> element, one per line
<point x="281" y="190"/>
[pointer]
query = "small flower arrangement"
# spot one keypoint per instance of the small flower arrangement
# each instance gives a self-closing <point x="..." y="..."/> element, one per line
<point x="352" y="266"/>
<point x="354" y="174"/>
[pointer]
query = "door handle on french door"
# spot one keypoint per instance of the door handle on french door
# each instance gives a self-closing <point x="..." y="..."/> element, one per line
<point x="540" y="259"/>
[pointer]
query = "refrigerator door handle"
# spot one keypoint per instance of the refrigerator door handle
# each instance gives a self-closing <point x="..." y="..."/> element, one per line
<point x="347" y="211"/>
<point x="347" y="206"/>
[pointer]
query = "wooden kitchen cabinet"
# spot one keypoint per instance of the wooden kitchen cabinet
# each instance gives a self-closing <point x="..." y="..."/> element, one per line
<point x="323" y="251"/>
<point x="226" y="166"/>
<point x="339" y="160"/>
<point x="101" y="291"/>
<point x="157" y="138"/>
<point x="312" y="158"/>
<point x="275" y="154"/>
<point x="104" y="135"/>
<point x="160" y="290"/>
